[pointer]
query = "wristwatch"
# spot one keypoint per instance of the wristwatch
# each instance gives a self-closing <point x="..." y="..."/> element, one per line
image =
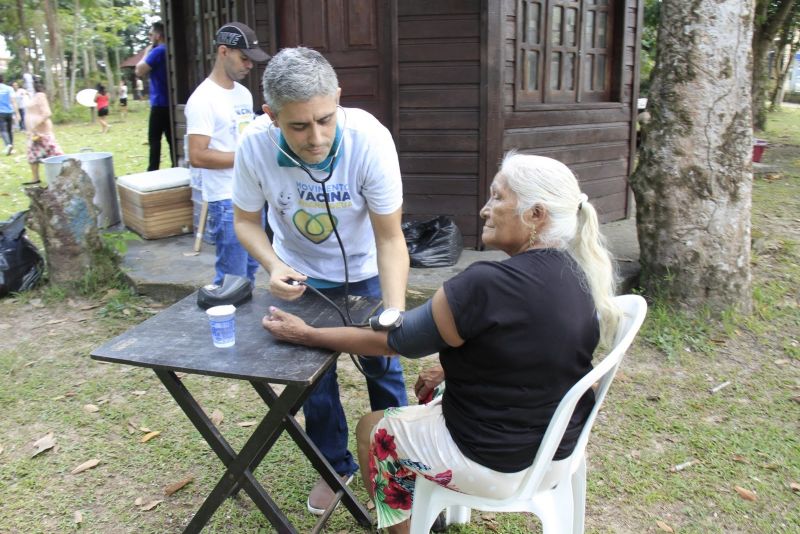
<point x="388" y="319"/>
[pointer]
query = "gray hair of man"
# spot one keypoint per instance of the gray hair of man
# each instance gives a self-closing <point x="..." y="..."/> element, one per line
<point x="571" y="225"/>
<point x="297" y="75"/>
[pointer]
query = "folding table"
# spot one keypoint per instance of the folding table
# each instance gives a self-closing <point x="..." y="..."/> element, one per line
<point x="178" y="339"/>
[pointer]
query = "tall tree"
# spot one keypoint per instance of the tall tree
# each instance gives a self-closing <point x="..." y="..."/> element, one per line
<point x="693" y="182"/>
<point x="787" y="45"/>
<point x="769" y="18"/>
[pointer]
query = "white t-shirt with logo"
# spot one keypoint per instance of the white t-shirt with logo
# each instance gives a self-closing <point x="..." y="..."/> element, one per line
<point x="221" y="114"/>
<point x="366" y="178"/>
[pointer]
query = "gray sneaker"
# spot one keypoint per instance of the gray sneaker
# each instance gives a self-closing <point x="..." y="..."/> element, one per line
<point x="322" y="495"/>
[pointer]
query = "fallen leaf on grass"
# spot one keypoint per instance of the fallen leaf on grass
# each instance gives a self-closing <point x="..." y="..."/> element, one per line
<point x="793" y="485"/>
<point x="796" y="399"/>
<point x="55" y="321"/>
<point x="172" y="488"/>
<point x="1" y="449"/>
<point x="138" y="501"/>
<point x="89" y="307"/>
<point x="37" y="303"/>
<point x="150" y="435"/>
<point x="739" y="458"/>
<point x="663" y="526"/>
<point x="491" y="526"/>
<point x="488" y="517"/>
<point x="152" y="504"/>
<point x="139" y="392"/>
<point x="771" y="466"/>
<point x="781" y="362"/>
<point x="217" y="417"/>
<point x="88" y="464"/>
<point x="370" y="505"/>
<point x="78" y="517"/>
<point x="44" y="443"/>
<point x="91" y="408"/>
<point x="745" y="494"/>
<point x="245" y="424"/>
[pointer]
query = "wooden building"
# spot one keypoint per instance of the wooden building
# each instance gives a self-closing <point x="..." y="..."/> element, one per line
<point x="457" y="82"/>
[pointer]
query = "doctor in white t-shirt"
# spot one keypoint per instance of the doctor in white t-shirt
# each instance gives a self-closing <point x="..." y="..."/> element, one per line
<point x="216" y="114"/>
<point x="303" y="123"/>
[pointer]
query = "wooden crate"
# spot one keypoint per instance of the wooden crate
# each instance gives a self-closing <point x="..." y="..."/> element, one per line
<point x="157" y="214"/>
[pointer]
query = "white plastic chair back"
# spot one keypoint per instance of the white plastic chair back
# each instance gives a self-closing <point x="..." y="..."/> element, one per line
<point x="553" y="490"/>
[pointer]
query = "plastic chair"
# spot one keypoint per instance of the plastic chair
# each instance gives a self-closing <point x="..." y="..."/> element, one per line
<point x="553" y="490"/>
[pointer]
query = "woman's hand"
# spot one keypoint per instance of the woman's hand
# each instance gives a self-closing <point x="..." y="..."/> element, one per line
<point x="427" y="381"/>
<point x="285" y="326"/>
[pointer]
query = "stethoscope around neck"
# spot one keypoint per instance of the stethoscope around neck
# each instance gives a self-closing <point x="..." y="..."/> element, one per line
<point x="346" y="319"/>
<point x="297" y="161"/>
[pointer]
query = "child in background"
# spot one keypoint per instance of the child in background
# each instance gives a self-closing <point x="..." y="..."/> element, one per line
<point x="123" y="99"/>
<point x="101" y="98"/>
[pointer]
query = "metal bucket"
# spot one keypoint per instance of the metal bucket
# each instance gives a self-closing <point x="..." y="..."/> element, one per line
<point x="100" y="168"/>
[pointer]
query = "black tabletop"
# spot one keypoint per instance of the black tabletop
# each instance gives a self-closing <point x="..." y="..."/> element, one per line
<point x="179" y="339"/>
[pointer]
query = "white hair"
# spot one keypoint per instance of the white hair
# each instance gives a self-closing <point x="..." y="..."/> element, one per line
<point x="572" y="225"/>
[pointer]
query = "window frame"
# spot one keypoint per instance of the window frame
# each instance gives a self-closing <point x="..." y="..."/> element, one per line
<point x="545" y="96"/>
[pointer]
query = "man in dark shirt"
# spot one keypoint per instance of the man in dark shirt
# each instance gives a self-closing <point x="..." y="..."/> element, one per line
<point x="154" y="63"/>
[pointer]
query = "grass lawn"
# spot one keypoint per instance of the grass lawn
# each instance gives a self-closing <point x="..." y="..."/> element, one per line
<point x="720" y="399"/>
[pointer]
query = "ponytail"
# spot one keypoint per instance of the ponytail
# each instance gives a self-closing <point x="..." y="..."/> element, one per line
<point x="572" y="226"/>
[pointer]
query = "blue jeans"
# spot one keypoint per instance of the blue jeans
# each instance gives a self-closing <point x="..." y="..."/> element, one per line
<point x="232" y="258"/>
<point x="326" y="424"/>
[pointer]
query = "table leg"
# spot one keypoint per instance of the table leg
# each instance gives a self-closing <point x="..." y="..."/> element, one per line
<point x="239" y="467"/>
<point x="299" y="436"/>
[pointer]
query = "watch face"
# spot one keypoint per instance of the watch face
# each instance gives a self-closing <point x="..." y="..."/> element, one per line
<point x="389" y="317"/>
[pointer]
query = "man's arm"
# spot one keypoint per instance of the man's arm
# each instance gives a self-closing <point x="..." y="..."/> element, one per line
<point x="207" y="158"/>
<point x="254" y="239"/>
<point x="142" y="68"/>
<point x="393" y="262"/>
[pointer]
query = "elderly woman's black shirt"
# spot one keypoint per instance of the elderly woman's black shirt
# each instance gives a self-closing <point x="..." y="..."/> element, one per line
<point x="530" y="328"/>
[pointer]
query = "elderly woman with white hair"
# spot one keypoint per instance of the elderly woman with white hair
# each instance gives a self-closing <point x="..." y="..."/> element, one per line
<point x="513" y="337"/>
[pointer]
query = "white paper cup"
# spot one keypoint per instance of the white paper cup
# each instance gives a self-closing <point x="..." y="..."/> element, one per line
<point x="223" y="325"/>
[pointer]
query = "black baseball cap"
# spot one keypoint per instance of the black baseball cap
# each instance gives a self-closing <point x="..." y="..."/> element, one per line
<point x="239" y="36"/>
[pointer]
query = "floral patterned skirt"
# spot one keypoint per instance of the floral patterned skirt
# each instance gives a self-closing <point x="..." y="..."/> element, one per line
<point x="412" y="441"/>
<point x="42" y="146"/>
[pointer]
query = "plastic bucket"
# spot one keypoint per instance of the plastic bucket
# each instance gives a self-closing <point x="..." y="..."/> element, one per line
<point x="100" y="168"/>
<point x="759" y="146"/>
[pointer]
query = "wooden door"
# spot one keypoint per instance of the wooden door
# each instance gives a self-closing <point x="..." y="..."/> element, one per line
<point x="353" y="36"/>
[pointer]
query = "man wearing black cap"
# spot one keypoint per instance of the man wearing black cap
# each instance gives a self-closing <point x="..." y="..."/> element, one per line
<point x="216" y="114"/>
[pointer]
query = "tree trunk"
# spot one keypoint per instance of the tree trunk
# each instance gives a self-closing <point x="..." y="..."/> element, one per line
<point x="783" y="70"/>
<point x="767" y="24"/>
<point x="693" y="183"/>
<point x="109" y="75"/>
<point x="49" y="82"/>
<point x="23" y="36"/>
<point x="56" y="51"/>
<point x="66" y="219"/>
<point x="76" y="31"/>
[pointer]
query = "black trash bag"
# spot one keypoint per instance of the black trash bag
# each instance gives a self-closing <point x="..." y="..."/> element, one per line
<point x="433" y="243"/>
<point x="21" y="265"/>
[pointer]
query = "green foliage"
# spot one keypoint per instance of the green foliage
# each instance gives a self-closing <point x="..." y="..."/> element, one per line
<point x="118" y="240"/>
<point x="647" y="57"/>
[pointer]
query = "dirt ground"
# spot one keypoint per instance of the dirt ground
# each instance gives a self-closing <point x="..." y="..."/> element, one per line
<point x="60" y="334"/>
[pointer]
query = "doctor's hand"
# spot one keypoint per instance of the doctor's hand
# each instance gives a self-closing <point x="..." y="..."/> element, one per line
<point x="285" y="326"/>
<point x="280" y="282"/>
<point x="427" y="381"/>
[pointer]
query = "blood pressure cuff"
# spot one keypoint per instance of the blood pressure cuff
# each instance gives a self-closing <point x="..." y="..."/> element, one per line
<point x="418" y="335"/>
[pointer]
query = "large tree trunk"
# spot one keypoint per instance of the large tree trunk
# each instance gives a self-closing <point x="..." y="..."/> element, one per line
<point x="66" y="219"/>
<point x="56" y="51"/>
<point x="49" y="81"/>
<point x="693" y="182"/>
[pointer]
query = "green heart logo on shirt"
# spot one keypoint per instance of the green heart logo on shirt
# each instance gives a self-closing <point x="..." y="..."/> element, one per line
<point x="316" y="228"/>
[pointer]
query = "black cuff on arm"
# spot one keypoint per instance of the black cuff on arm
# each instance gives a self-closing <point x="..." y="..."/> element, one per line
<point x="418" y="335"/>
